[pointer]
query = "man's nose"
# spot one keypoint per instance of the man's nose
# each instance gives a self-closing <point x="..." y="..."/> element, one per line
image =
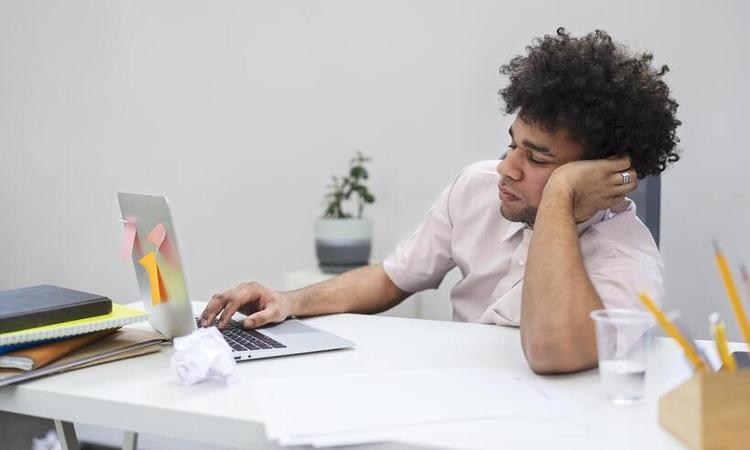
<point x="508" y="166"/>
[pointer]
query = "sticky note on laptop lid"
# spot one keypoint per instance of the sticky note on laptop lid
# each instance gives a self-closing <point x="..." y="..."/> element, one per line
<point x="128" y="239"/>
<point x="157" y="235"/>
<point x="160" y="239"/>
<point x="158" y="290"/>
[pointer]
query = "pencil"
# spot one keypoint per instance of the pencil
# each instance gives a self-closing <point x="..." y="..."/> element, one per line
<point x="717" y="329"/>
<point x="734" y="297"/>
<point x="672" y="330"/>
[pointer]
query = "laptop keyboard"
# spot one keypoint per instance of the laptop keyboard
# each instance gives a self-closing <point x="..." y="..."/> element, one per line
<point x="241" y="339"/>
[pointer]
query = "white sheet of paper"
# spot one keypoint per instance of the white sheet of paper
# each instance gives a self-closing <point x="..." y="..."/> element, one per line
<point x="454" y="434"/>
<point x="370" y="406"/>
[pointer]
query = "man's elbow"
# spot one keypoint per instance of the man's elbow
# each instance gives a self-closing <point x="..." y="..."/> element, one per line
<point x="548" y="356"/>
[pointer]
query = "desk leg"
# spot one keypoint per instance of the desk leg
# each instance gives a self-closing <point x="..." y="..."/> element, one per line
<point x="66" y="434"/>
<point x="130" y="441"/>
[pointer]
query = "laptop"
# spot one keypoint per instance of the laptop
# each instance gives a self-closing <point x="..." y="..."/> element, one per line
<point x="172" y="314"/>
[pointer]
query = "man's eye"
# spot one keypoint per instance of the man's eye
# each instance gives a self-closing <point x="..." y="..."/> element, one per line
<point x="536" y="161"/>
<point x="513" y="146"/>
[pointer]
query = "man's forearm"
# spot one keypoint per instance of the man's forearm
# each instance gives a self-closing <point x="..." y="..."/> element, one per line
<point x="558" y="295"/>
<point x="365" y="290"/>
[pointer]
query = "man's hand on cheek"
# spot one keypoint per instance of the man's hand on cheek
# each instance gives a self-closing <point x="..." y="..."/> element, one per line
<point x="591" y="185"/>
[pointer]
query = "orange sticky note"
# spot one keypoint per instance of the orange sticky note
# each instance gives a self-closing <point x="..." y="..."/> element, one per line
<point x="157" y="235"/>
<point x="158" y="291"/>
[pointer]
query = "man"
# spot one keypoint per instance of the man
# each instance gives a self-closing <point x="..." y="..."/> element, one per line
<point x="591" y="119"/>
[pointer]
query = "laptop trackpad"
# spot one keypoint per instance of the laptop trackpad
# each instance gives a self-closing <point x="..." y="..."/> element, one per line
<point x="291" y="327"/>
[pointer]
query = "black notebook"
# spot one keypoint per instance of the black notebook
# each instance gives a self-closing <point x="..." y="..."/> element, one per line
<point x="46" y="304"/>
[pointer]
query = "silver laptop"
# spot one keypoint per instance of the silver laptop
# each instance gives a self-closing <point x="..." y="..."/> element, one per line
<point x="172" y="315"/>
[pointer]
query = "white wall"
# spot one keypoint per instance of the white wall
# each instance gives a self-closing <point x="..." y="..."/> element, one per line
<point x="240" y="111"/>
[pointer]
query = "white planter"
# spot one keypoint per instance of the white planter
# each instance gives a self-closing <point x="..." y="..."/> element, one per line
<point x="342" y="244"/>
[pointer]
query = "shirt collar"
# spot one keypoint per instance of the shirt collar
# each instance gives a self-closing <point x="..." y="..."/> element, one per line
<point x="515" y="227"/>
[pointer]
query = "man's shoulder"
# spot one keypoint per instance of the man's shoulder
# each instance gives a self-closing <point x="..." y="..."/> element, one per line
<point x="474" y="191"/>
<point x="480" y="171"/>
<point x="622" y="231"/>
<point x="484" y="167"/>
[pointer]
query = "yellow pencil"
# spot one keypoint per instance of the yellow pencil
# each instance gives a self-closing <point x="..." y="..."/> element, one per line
<point x="672" y="330"/>
<point x="720" y="336"/>
<point x="734" y="297"/>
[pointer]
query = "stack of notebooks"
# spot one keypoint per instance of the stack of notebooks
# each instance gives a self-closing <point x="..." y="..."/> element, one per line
<point x="49" y="329"/>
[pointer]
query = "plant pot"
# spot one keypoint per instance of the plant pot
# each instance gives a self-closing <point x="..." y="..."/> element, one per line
<point x="342" y="244"/>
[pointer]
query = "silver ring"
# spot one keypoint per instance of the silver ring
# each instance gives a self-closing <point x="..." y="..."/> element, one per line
<point x="625" y="177"/>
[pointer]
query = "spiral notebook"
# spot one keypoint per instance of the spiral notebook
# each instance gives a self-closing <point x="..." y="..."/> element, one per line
<point x="120" y="315"/>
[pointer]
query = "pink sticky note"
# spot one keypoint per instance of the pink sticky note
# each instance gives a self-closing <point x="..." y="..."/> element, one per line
<point x="157" y="235"/>
<point x="128" y="240"/>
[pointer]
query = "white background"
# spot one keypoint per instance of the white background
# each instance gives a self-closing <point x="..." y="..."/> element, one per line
<point x="239" y="112"/>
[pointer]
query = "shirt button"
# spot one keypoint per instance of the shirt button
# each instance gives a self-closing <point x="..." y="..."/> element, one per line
<point x="521" y="262"/>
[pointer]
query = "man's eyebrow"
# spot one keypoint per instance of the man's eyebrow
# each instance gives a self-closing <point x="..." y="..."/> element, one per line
<point x="537" y="148"/>
<point x="530" y="145"/>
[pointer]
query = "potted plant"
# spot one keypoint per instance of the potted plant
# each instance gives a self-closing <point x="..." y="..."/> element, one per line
<point x="344" y="241"/>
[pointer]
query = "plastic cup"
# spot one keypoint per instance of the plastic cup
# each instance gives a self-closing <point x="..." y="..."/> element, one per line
<point x="622" y="341"/>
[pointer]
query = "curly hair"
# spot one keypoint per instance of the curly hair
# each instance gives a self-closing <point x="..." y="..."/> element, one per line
<point x="611" y="102"/>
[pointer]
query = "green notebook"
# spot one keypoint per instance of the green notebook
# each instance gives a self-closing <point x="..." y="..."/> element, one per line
<point x="120" y="315"/>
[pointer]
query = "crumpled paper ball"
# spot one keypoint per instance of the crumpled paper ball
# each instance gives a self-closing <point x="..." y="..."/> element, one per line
<point x="48" y="442"/>
<point x="203" y="355"/>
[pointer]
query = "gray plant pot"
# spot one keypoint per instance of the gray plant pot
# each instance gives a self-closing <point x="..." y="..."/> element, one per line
<point x="342" y="244"/>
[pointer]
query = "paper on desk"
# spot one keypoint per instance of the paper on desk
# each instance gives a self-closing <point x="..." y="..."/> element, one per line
<point x="203" y="355"/>
<point x="463" y="434"/>
<point x="359" y="408"/>
<point x="48" y="442"/>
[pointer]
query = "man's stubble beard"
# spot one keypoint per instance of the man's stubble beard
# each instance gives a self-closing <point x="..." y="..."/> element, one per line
<point x="526" y="215"/>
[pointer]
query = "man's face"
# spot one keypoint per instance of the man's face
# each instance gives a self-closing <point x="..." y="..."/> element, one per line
<point x="533" y="154"/>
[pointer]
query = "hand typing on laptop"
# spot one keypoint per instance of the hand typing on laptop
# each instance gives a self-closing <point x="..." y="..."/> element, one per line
<point x="261" y="304"/>
<point x="364" y="290"/>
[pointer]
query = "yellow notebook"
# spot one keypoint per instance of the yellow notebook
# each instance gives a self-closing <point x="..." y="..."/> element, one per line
<point x="120" y="315"/>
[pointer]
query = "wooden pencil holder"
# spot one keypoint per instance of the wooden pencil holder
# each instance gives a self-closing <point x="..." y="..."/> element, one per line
<point x="709" y="411"/>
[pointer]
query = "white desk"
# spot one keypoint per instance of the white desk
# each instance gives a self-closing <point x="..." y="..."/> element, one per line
<point x="142" y="395"/>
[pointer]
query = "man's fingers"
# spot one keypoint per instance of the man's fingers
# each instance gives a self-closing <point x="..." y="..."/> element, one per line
<point x="617" y="199"/>
<point x="229" y="302"/>
<point x="618" y="163"/>
<point x="249" y="308"/>
<point x="227" y="314"/>
<point x="214" y="307"/>
<point x="628" y="178"/>
<point x="237" y="298"/>
<point x="621" y="190"/>
<point x="247" y="298"/>
<point x="260" y="318"/>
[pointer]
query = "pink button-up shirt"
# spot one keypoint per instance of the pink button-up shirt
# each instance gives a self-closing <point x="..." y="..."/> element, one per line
<point x="464" y="228"/>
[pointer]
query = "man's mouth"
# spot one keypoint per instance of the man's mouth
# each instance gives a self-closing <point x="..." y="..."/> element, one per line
<point x="506" y="194"/>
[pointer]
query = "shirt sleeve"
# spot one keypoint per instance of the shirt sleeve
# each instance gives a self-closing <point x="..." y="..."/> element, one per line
<point x="421" y="261"/>
<point x="621" y="275"/>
